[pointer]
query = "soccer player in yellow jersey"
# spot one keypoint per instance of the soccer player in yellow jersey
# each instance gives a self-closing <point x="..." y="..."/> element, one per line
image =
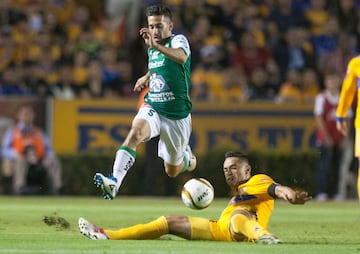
<point x="350" y="86"/>
<point x="244" y="219"/>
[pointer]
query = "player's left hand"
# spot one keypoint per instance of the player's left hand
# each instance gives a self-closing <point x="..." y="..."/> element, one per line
<point x="293" y="196"/>
<point x="300" y="197"/>
<point x="147" y="36"/>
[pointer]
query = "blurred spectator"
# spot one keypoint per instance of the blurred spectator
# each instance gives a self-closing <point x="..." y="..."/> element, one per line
<point x="274" y="77"/>
<point x="46" y="68"/>
<point x="328" y="139"/>
<point x="260" y="88"/>
<point x="53" y="26"/>
<point x="347" y="15"/>
<point x="234" y="31"/>
<point x="326" y="42"/>
<point x="285" y="16"/>
<point x="22" y="38"/>
<point x="292" y="53"/>
<point x="10" y="84"/>
<point x="249" y="56"/>
<point x="316" y="15"/>
<point x="34" y="80"/>
<point x="191" y="12"/>
<point x="273" y="35"/>
<point x="63" y="9"/>
<point x="338" y="59"/>
<point x="310" y="85"/>
<point x="234" y="86"/>
<point x="87" y="42"/>
<point x="290" y="89"/>
<point x="110" y="70"/>
<point x="105" y="34"/>
<point x="7" y="48"/>
<point x="9" y="16"/>
<point x="39" y="36"/>
<point x="25" y="151"/>
<point x="257" y="28"/>
<point x="95" y="86"/>
<point x="80" y="70"/>
<point x="126" y="83"/>
<point x="65" y="88"/>
<point x="35" y="17"/>
<point x="79" y="22"/>
<point x="204" y="38"/>
<point x="207" y="76"/>
<point x="42" y="42"/>
<point x="125" y="15"/>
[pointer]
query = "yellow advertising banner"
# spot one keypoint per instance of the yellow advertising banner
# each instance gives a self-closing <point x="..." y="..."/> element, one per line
<point x="253" y="126"/>
<point x="102" y="125"/>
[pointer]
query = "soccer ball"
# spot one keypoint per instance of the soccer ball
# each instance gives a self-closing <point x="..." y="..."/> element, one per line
<point x="197" y="193"/>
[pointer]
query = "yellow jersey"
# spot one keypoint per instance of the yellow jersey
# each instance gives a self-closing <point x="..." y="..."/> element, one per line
<point x="350" y="85"/>
<point x="252" y="196"/>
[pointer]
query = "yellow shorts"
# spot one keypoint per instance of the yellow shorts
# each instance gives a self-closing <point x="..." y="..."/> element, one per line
<point x="215" y="230"/>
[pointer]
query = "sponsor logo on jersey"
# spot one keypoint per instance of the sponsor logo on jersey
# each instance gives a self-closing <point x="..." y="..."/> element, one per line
<point x="156" y="64"/>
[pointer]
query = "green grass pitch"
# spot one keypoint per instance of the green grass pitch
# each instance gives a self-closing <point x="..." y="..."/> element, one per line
<point x="312" y="228"/>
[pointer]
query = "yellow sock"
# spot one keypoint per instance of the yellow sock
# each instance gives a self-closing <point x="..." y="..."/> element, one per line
<point x="358" y="183"/>
<point x="151" y="230"/>
<point x="242" y="227"/>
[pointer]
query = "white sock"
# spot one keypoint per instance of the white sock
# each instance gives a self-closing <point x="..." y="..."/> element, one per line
<point x="123" y="162"/>
<point x="186" y="159"/>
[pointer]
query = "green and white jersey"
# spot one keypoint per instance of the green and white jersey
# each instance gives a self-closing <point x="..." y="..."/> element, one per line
<point x="169" y="85"/>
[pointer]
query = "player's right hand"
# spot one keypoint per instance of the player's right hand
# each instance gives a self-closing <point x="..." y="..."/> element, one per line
<point x="141" y="83"/>
<point x="342" y="127"/>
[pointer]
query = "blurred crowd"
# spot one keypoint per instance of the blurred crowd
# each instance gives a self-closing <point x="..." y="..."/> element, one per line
<point x="242" y="50"/>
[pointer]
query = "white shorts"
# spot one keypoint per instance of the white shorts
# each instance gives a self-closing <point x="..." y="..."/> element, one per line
<point x="174" y="134"/>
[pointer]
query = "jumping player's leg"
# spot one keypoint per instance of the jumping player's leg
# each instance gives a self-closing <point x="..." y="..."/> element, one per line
<point x="126" y="155"/>
<point x="174" y="146"/>
<point x="145" y="125"/>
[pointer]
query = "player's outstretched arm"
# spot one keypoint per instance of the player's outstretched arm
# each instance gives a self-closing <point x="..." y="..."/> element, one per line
<point x="291" y="195"/>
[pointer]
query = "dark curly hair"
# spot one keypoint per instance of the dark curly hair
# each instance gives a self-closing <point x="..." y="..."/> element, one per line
<point x="158" y="10"/>
<point x="241" y="156"/>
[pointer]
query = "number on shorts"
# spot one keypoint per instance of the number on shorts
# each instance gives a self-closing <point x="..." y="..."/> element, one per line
<point x="151" y="112"/>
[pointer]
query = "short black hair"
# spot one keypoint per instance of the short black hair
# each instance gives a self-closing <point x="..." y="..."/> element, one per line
<point x="241" y="156"/>
<point x="158" y="10"/>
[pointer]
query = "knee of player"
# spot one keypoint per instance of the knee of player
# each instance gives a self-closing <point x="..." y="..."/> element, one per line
<point x="136" y="135"/>
<point x="236" y="231"/>
<point x="171" y="170"/>
<point x="171" y="173"/>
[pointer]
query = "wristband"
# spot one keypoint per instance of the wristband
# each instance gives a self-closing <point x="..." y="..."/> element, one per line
<point x="340" y="119"/>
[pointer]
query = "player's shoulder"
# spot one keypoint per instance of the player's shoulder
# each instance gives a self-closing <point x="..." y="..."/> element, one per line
<point x="179" y="38"/>
<point x="180" y="41"/>
<point x="261" y="178"/>
<point x="355" y="61"/>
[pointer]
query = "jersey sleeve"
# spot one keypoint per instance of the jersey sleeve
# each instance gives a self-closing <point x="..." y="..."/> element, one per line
<point x="259" y="184"/>
<point x="255" y="190"/>
<point x="348" y="90"/>
<point x="180" y="41"/>
<point x="319" y="105"/>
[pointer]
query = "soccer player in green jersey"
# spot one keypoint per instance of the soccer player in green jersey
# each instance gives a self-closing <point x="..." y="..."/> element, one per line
<point x="166" y="111"/>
